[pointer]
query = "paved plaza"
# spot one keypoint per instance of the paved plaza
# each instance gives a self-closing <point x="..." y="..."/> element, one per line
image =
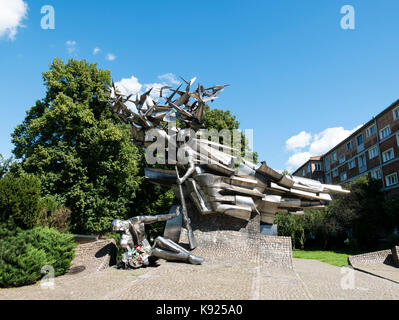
<point x="227" y="278"/>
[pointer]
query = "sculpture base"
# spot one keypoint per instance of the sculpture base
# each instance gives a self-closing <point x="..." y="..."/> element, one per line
<point x="223" y="237"/>
<point x="229" y="246"/>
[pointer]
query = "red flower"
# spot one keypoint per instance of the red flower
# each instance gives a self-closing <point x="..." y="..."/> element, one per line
<point x="135" y="245"/>
<point x="139" y="258"/>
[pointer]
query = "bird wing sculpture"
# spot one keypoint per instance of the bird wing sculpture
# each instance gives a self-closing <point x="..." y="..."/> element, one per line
<point x="217" y="180"/>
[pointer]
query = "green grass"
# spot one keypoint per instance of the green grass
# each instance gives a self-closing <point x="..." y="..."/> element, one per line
<point x="334" y="258"/>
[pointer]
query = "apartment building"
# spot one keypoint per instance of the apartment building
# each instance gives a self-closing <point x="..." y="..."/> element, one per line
<point x="371" y="150"/>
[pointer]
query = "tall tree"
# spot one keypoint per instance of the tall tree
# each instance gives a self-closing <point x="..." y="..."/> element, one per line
<point x="361" y="211"/>
<point x="223" y="119"/>
<point x="82" y="152"/>
<point x="78" y="148"/>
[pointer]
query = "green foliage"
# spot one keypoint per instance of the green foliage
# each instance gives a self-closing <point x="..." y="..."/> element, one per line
<point x="55" y="214"/>
<point x="24" y="253"/>
<point x="339" y="259"/>
<point x="291" y="226"/>
<point x="352" y="221"/>
<point x="57" y="246"/>
<point x="5" y="165"/>
<point x="20" y="199"/>
<point x="79" y="149"/>
<point x="361" y="213"/>
<point x="82" y="152"/>
<point x="391" y="208"/>
<point x="220" y="119"/>
<point x="312" y="228"/>
<point x="154" y="199"/>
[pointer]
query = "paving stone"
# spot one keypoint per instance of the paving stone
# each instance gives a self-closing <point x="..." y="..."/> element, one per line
<point x="223" y="275"/>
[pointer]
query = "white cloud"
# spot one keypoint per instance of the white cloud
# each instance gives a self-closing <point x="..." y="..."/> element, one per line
<point x="169" y="77"/>
<point x="128" y="86"/>
<point x="296" y="160"/>
<point x="96" y="50"/>
<point x="12" y="12"/>
<point x="330" y="137"/>
<point x="132" y="85"/>
<point x="110" y="57"/>
<point x="71" y="46"/>
<point x="299" y="141"/>
<point x="306" y="145"/>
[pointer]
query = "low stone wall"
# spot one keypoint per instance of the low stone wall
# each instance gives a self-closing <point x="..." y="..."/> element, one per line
<point x="94" y="256"/>
<point x="377" y="257"/>
<point x="395" y="253"/>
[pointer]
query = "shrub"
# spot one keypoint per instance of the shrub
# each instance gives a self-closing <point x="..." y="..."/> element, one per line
<point x="362" y="214"/>
<point x="57" y="246"/>
<point x="20" y="200"/>
<point x="23" y="253"/>
<point x="291" y="226"/>
<point x="313" y="228"/>
<point x="55" y="214"/>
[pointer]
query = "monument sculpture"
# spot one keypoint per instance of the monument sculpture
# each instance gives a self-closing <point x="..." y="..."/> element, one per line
<point x="217" y="180"/>
<point x="138" y="251"/>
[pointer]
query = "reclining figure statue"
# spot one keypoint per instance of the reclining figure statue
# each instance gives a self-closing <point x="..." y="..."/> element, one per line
<point x="138" y="251"/>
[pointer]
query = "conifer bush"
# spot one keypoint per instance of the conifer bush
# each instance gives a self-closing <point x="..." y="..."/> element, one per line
<point x="23" y="253"/>
<point x="20" y="199"/>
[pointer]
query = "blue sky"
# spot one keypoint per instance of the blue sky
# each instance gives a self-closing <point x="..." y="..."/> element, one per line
<point x="298" y="79"/>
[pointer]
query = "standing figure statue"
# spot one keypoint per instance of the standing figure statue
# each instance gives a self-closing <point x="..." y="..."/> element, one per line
<point x="138" y="251"/>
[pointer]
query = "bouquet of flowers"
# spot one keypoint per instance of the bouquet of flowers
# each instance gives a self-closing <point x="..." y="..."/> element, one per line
<point x="138" y="256"/>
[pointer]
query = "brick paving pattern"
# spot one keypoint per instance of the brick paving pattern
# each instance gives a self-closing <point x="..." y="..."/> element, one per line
<point x="382" y="263"/>
<point x="224" y="275"/>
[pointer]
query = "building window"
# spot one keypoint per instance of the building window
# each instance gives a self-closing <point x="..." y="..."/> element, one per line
<point x="373" y="152"/>
<point x="349" y="145"/>
<point x="303" y="172"/>
<point x="388" y="155"/>
<point x="335" y="173"/>
<point x="396" y="113"/>
<point x="327" y="161"/>
<point x="308" y="168"/>
<point x="317" y="166"/>
<point x="370" y="130"/>
<point x="362" y="161"/>
<point x="397" y="139"/>
<point x="385" y="132"/>
<point x="352" y="164"/>
<point x="359" y="139"/>
<point x="391" y="179"/>
<point x="334" y="157"/>
<point x="376" y="174"/>
<point x="342" y="158"/>
<point x="343" y="176"/>
<point x="328" y="179"/>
